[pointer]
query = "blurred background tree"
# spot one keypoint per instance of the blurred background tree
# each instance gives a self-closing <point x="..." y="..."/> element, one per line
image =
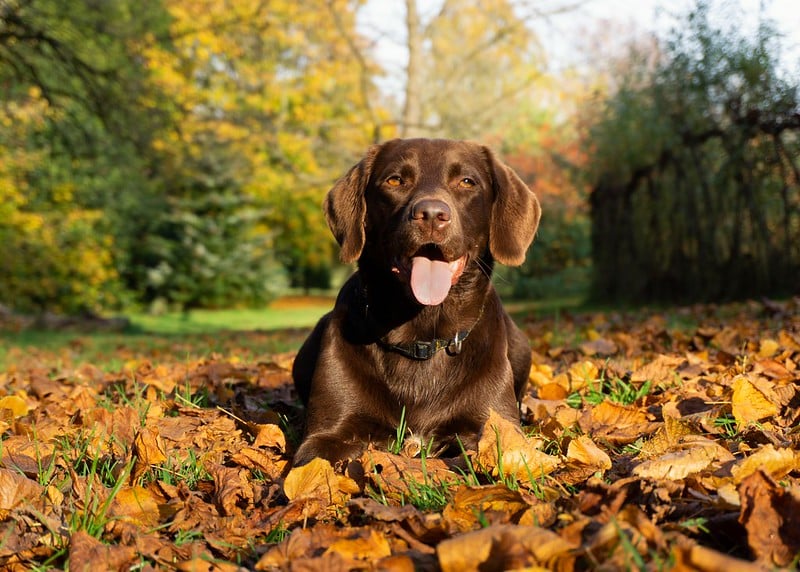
<point x="694" y="167"/>
<point x="174" y="153"/>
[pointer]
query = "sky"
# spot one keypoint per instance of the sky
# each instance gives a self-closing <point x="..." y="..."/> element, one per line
<point x="565" y="35"/>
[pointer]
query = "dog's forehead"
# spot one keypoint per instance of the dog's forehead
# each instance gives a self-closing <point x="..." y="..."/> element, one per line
<point x="430" y="155"/>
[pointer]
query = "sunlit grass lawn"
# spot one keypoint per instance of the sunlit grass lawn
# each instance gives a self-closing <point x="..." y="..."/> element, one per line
<point x="294" y="312"/>
<point x="249" y="334"/>
<point x="177" y="336"/>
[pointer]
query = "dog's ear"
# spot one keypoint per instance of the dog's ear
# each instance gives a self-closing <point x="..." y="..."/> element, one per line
<point x="515" y="214"/>
<point x="346" y="208"/>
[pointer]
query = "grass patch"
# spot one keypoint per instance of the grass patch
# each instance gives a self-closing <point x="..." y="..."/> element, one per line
<point x="278" y="328"/>
<point x="289" y="313"/>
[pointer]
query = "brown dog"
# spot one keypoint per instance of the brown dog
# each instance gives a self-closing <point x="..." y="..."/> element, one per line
<point x="419" y="327"/>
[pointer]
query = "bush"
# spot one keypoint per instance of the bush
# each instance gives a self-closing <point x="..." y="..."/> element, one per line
<point x="61" y="262"/>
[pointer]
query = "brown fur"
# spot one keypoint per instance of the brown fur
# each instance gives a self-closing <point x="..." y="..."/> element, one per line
<point x="355" y="386"/>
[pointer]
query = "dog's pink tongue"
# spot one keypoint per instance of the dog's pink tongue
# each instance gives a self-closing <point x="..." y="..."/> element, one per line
<point x="430" y="280"/>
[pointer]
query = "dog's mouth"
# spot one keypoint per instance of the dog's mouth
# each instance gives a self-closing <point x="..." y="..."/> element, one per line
<point x="431" y="274"/>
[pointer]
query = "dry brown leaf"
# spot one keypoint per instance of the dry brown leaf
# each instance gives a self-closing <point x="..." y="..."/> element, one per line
<point x="518" y="455"/>
<point x="600" y="346"/>
<point x="619" y="424"/>
<point x="775" y="462"/>
<point x="267" y="435"/>
<point x="691" y="557"/>
<point x="469" y="504"/>
<point x="749" y="403"/>
<point x="88" y="554"/>
<point x="771" y="515"/>
<point x="233" y="491"/>
<point x="16" y="491"/>
<point x="662" y="369"/>
<point x="266" y="462"/>
<point x="666" y="438"/>
<point x="148" y="447"/>
<point x="504" y="547"/>
<point x="396" y="475"/>
<point x="206" y="563"/>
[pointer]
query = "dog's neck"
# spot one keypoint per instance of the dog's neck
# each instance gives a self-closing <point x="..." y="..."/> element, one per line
<point x="390" y="316"/>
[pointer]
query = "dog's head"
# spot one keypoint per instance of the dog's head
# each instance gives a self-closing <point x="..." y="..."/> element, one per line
<point x="429" y="210"/>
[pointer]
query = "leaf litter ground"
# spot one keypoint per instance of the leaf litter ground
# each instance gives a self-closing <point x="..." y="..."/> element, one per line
<point x="650" y="441"/>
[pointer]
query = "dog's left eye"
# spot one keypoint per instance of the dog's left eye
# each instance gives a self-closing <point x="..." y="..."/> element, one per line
<point x="394" y="181"/>
<point x="467" y="183"/>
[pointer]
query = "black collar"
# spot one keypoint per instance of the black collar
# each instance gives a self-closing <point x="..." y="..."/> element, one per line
<point x="424" y="350"/>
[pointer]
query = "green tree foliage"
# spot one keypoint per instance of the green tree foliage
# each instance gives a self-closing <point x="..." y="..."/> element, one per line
<point x="164" y="150"/>
<point x="694" y="159"/>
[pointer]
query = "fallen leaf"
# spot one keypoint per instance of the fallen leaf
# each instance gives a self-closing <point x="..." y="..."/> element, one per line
<point x="505" y="547"/>
<point x="664" y="368"/>
<point x="771" y="516"/>
<point x="398" y="476"/>
<point x="365" y="544"/>
<point x="148" y="447"/>
<point x="750" y="404"/>
<point x="233" y="491"/>
<point x="666" y="438"/>
<point x="503" y="449"/>
<point x="88" y="554"/>
<point x="470" y="504"/>
<point x="697" y="454"/>
<point x="582" y="374"/>
<point x="585" y="452"/>
<point x="268" y="435"/>
<point x="552" y="392"/>
<point x="600" y="346"/>
<point x="17" y="491"/>
<point x="14" y="403"/>
<point x="136" y="505"/>
<point x="619" y="424"/>
<point x="318" y="481"/>
<point x="767" y="348"/>
<point x="775" y="462"/>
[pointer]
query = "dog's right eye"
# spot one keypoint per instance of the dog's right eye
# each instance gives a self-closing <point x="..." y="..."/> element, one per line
<point x="394" y="181"/>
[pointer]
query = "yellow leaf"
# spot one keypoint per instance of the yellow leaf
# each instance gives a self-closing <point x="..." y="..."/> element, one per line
<point x="767" y="348"/>
<point x="371" y="547"/>
<point x="15" y="404"/>
<point x="749" y="403"/>
<point x="668" y="437"/>
<point x="698" y="454"/>
<point x="318" y="480"/>
<point x="475" y="550"/>
<point x="136" y="505"/>
<point x="584" y="451"/>
<point x="775" y="462"/>
<point x="582" y="374"/>
<point x="675" y="466"/>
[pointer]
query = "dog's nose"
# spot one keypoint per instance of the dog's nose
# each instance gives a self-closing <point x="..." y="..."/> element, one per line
<point x="432" y="211"/>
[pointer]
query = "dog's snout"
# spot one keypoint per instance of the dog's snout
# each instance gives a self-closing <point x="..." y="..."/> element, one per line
<point x="433" y="212"/>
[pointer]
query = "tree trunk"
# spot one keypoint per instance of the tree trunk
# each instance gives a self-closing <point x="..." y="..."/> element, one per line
<point x="411" y="124"/>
